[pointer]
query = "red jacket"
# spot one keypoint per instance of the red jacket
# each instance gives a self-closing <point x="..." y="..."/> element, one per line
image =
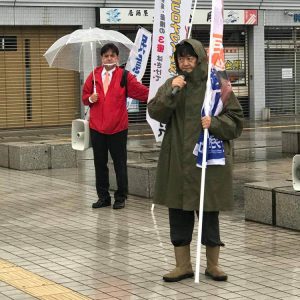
<point x="109" y="114"/>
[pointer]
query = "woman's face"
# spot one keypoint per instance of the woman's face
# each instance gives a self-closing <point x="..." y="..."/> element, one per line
<point x="187" y="63"/>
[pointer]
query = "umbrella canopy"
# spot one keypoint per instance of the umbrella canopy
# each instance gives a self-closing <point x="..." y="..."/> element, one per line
<point x="69" y="52"/>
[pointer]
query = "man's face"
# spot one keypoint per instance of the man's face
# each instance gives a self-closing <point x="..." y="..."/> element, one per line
<point x="187" y="63"/>
<point x="109" y="59"/>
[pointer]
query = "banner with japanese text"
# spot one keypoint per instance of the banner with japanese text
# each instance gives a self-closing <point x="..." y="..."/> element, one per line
<point x="137" y="61"/>
<point x="213" y="101"/>
<point x="171" y="21"/>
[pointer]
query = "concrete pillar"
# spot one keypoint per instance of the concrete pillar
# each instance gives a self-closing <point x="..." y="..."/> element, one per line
<point x="257" y="68"/>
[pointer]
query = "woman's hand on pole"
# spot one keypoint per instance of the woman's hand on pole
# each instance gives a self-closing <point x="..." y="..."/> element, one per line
<point x="206" y="121"/>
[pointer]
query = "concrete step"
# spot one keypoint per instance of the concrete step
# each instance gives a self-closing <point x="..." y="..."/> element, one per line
<point x="141" y="177"/>
<point x="37" y="155"/>
<point x="136" y="152"/>
<point x="143" y="152"/>
<point x="140" y="130"/>
<point x="273" y="202"/>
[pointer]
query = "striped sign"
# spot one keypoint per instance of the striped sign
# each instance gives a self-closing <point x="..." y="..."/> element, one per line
<point x="171" y="20"/>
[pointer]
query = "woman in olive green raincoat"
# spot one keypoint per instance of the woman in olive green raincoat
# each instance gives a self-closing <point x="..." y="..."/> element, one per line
<point x="178" y="178"/>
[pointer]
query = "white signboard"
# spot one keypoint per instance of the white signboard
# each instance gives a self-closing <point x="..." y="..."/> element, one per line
<point x="287" y="73"/>
<point x="146" y="16"/>
<point x="126" y="16"/>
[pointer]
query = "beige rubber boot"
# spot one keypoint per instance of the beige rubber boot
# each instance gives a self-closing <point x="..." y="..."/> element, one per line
<point x="213" y="270"/>
<point x="183" y="265"/>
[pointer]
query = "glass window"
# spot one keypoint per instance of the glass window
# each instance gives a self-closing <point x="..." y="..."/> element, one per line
<point x="8" y="43"/>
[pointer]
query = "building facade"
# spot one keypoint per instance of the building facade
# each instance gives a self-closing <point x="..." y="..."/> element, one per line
<point x="261" y="40"/>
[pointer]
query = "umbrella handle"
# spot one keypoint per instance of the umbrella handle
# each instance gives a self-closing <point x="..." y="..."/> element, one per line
<point x="94" y="82"/>
<point x="92" y="51"/>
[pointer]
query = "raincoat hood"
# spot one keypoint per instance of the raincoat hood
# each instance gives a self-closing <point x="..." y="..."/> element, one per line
<point x="201" y="69"/>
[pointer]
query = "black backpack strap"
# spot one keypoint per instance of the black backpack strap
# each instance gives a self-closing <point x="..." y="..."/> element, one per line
<point x="123" y="82"/>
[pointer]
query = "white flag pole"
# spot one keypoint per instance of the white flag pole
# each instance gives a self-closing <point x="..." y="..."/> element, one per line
<point x="192" y="19"/>
<point x="199" y="237"/>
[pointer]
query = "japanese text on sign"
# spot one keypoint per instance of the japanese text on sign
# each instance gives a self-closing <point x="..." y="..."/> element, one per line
<point x="174" y="36"/>
<point x="141" y="52"/>
<point x="138" y="13"/>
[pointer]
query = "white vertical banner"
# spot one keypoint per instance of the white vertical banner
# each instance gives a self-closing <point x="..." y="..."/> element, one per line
<point x="171" y="21"/>
<point x="137" y="61"/>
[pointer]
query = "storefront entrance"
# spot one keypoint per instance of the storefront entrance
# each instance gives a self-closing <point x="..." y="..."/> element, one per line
<point x="282" y="66"/>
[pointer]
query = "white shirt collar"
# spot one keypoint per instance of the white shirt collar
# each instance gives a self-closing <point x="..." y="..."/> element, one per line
<point x="109" y="72"/>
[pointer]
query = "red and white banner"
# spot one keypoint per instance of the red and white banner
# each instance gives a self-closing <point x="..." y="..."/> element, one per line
<point x="171" y="19"/>
<point x="216" y="50"/>
<point x="137" y="61"/>
<point x="213" y="102"/>
<point x="216" y="59"/>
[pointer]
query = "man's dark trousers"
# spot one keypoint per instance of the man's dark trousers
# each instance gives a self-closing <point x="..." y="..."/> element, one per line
<point x="116" y="144"/>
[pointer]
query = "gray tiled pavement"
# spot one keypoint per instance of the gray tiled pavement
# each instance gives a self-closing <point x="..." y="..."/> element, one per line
<point x="47" y="226"/>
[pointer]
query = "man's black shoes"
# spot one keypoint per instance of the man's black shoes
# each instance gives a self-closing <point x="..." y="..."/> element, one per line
<point x="119" y="203"/>
<point x="102" y="203"/>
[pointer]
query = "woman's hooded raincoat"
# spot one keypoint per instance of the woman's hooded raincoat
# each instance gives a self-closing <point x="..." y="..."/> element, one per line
<point x="178" y="179"/>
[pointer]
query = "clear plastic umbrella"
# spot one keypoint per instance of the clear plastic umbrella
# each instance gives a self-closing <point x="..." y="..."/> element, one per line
<point x="69" y="51"/>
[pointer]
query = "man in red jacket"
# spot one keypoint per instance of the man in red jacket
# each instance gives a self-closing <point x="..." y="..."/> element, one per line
<point x="109" y="123"/>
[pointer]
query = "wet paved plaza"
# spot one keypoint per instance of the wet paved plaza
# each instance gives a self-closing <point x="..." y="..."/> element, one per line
<point x="48" y="231"/>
